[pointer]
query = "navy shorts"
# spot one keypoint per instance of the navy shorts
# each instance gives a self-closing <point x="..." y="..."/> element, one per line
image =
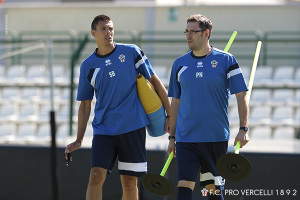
<point x="128" y="147"/>
<point x="203" y="156"/>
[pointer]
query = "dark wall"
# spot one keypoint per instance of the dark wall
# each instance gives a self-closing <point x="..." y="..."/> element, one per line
<point x="25" y="175"/>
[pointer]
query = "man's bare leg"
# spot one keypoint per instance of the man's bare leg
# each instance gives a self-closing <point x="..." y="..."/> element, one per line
<point x="97" y="178"/>
<point x="129" y="185"/>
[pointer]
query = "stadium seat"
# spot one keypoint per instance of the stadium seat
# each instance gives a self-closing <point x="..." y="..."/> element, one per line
<point x="65" y="97"/>
<point x="28" y="112"/>
<point x="8" y="112"/>
<point x="66" y="94"/>
<point x="282" y="97"/>
<point x="7" y="130"/>
<point x="26" y="132"/>
<point x="263" y="75"/>
<point x="63" y="113"/>
<point x="296" y="100"/>
<point x="59" y="74"/>
<point x="282" y="116"/>
<point x="260" y="115"/>
<point x="35" y="74"/>
<point x="62" y="132"/>
<point x="43" y="132"/>
<point x="15" y="73"/>
<point x="283" y="75"/>
<point x="46" y="94"/>
<point x="284" y="133"/>
<point x="296" y="80"/>
<point x="7" y="133"/>
<point x="2" y="73"/>
<point x="260" y="133"/>
<point x="44" y="114"/>
<point x="297" y="117"/>
<point x="260" y="97"/>
<point x="10" y="94"/>
<point x="31" y="93"/>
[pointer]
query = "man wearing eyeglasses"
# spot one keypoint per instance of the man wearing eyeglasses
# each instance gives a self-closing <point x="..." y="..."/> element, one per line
<point x="109" y="74"/>
<point x="200" y="84"/>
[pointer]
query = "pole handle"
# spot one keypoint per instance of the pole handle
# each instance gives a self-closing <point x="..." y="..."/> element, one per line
<point x="163" y="172"/>
<point x="237" y="147"/>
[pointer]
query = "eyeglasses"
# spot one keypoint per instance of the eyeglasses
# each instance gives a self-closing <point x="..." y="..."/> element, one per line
<point x="192" y="32"/>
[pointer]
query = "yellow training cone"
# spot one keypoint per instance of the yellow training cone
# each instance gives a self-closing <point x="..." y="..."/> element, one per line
<point x="150" y="100"/>
<point x="152" y="105"/>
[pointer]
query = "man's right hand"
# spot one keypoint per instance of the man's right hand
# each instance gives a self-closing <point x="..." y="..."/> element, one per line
<point x="72" y="147"/>
<point x="172" y="147"/>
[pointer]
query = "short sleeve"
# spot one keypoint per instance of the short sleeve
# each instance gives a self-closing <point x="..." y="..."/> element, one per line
<point x="235" y="77"/>
<point x="85" y="89"/>
<point x="142" y="64"/>
<point x="174" y="84"/>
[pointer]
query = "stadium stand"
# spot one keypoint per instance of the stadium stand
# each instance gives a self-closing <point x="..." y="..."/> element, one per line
<point x="263" y="76"/>
<point x="25" y="92"/>
<point x="260" y="97"/>
<point x="283" y="75"/>
<point x="8" y="112"/>
<point x="282" y="97"/>
<point x="15" y="73"/>
<point x="260" y="115"/>
<point x="35" y="74"/>
<point x="261" y="133"/>
<point x="297" y="77"/>
<point x="26" y="133"/>
<point x="282" y="116"/>
<point x="284" y="133"/>
<point x="2" y="73"/>
<point x="43" y="133"/>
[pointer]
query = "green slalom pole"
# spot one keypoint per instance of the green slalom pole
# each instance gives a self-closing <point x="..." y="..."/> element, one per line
<point x="164" y="170"/>
<point x="230" y="41"/>
<point x="237" y="147"/>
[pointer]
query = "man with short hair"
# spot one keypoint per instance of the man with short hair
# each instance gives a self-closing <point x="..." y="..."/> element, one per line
<point x="200" y="83"/>
<point x="119" y="122"/>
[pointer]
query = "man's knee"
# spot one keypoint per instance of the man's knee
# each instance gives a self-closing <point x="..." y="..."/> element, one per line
<point x="129" y="182"/>
<point x="97" y="175"/>
<point x="188" y="184"/>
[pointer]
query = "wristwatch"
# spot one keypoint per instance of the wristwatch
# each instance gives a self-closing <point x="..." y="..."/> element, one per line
<point x="171" y="137"/>
<point x="244" y="128"/>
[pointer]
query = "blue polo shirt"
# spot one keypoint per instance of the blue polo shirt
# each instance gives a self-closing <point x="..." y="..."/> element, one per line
<point x="203" y="85"/>
<point x="112" y="79"/>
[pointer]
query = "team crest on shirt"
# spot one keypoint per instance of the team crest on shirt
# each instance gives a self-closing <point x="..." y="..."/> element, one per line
<point x="122" y="58"/>
<point x="214" y="63"/>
